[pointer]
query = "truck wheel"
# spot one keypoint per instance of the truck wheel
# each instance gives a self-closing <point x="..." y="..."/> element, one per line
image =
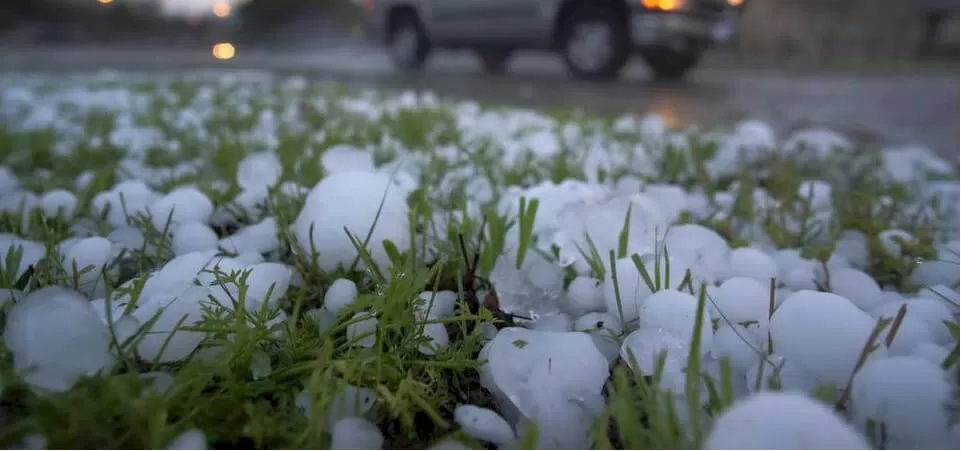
<point x="407" y="42"/>
<point x="494" y="61"/>
<point x="595" y="43"/>
<point x="670" y="64"/>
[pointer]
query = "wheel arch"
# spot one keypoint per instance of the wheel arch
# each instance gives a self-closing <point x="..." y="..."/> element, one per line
<point x="567" y="7"/>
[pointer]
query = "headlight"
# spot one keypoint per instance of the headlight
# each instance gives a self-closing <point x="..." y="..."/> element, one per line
<point x="663" y="5"/>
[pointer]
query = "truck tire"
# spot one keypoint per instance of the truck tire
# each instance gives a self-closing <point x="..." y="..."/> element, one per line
<point x="407" y="41"/>
<point x="669" y="64"/>
<point x="493" y="61"/>
<point x="595" y="43"/>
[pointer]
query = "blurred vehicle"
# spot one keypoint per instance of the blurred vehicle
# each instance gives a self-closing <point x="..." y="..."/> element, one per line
<point x="596" y="38"/>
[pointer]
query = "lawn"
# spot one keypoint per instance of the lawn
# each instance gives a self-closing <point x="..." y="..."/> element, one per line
<point x="235" y="260"/>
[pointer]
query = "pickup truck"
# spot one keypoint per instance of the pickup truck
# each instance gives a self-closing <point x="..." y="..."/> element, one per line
<point x="595" y="38"/>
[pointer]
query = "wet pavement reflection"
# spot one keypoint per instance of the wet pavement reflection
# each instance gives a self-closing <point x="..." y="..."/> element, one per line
<point x="896" y="109"/>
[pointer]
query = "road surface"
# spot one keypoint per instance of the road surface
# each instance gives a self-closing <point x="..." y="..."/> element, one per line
<point x="896" y="108"/>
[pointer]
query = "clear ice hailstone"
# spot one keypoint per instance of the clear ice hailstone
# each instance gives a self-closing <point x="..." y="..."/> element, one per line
<point x="892" y="239"/>
<point x="58" y="203"/>
<point x="193" y="237"/>
<point x="675" y="312"/>
<point x="823" y="333"/>
<point x="436" y="334"/>
<point x="857" y="286"/>
<point x="182" y="205"/>
<point x="259" y="170"/>
<point x="268" y="282"/>
<point x="344" y="158"/>
<point x="172" y="313"/>
<point x="56" y="338"/>
<point x="741" y="299"/>
<point x="534" y="289"/>
<point x="355" y="433"/>
<point x="753" y="264"/>
<point x="623" y="300"/>
<point x="362" y="331"/>
<point x="190" y="439"/>
<point x="739" y="345"/>
<point x="433" y="305"/>
<point x="363" y="203"/>
<point x="485" y="425"/>
<point x="584" y="294"/>
<point x="906" y="394"/>
<point x="86" y="261"/>
<point x="785" y="420"/>
<point x="340" y="294"/>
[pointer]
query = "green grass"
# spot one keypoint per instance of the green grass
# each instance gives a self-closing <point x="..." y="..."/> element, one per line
<point x="264" y="407"/>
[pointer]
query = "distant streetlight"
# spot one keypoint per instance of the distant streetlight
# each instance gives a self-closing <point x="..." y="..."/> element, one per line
<point x="223" y="51"/>
<point x="221" y="8"/>
<point x="105" y="2"/>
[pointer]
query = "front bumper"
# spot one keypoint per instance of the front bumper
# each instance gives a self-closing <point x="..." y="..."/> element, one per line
<point x="673" y="29"/>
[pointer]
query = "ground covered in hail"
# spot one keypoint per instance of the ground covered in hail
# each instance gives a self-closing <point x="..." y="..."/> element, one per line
<point x="238" y="260"/>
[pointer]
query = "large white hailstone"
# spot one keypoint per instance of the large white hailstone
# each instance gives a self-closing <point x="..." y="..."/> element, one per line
<point x="753" y="264"/>
<point x="675" y="312"/>
<point x="739" y="345"/>
<point x="785" y="420"/>
<point x="642" y="348"/>
<point x="702" y="249"/>
<point x="165" y="340"/>
<point x="823" y="333"/>
<point x="340" y="294"/>
<point x="434" y="305"/>
<point x="193" y="237"/>
<point x="30" y="252"/>
<point x="485" y="425"/>
<point x="853" y="246"/>
<point x="345" y="158"/>
<point x="268" y="282"/>
<point x="437" y="338"/>
<point x="351" y="201"/>
<point x="127" y="198"/>
<point x="182" y="205"/>
<point x="631" y="288"/>
<point x="909" y="395"/>
<point x="259" y="171"/>
<point x="552" y="379"/>
<point x="934" y="312"/>
<point x="86" y="260"/>
<point x="56" y="338"/>
<point x="942" y="270"/>
<point x="584" y="295"/>
<point x="58" y="202"/>
<point x="355" y="433"/>
<point x="260" y="238"/>
<point x="912" y="331"/>
<point x="857" y="286"/>
<point x="741" y="299"/>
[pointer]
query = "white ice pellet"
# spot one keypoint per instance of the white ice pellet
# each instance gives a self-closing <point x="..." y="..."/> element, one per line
<point x="433" y="305"/>
<point x="752" y="264"/>
<point x="742" y="299"/>
<point x="340" y="294"/>
<point x="58" y="203"/>
<point x="86" y="260"/>
<point x="437" y="338"/>
<point x="362" y="331"/>
<point x="894" y="240"/>
<point x="584" y="294"/>
<point x="259" y="170"/>
<point x="190" y="439"/>
<point x="857" y="287"/>
<point x="355" y="433"/>
<point x="485" y="425"/>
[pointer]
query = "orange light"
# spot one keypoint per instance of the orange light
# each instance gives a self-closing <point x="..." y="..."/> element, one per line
<point x="105" y="2"/>
<point x="223" y="51"/>
<point x="222" y="8"/>
<point x="664" y="5"/>
<point x="735" y="3"/>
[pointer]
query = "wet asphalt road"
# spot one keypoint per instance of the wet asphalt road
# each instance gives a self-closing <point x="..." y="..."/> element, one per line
<point x="896" y="108"/>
